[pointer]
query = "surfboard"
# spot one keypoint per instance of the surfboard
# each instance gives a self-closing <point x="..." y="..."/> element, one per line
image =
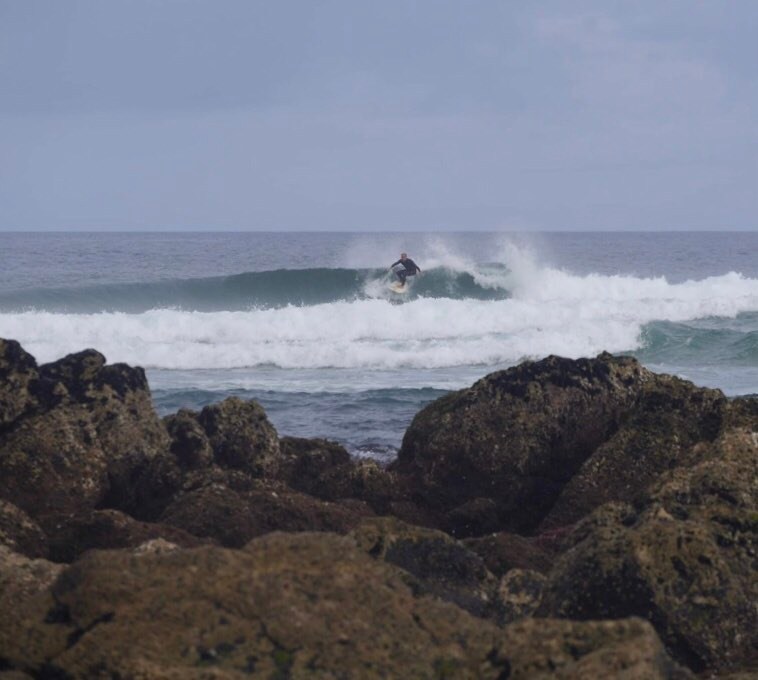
<point x="395" y="287"/>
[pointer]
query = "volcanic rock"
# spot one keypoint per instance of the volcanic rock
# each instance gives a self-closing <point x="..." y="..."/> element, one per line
<point x="292" y="605"/>
<point x="120" y="408"/>
<point x="670" y="416"/>
<point x="685" y="560"/>
<point x="519" y="594"/>
<point x="233" y="517"/>
<point x="18" y="373"/>
<point x="288" y="606"/>
<point x="103" y="529"/>
<point x="538" y="446"/>
<point x="578" y="650"/>
<point x="518" y="436"/>
<point x="303" y="461"/>
<point x="21" y="580"/>
<point x="189" y="443"/>
<point x="502" y="552"/>
<point x="81" y="433"/>
<point x="53" y="464"/>
<point x="241" y="436"/>
<point x="441" y="565"/>
<point x="21" y="533"/>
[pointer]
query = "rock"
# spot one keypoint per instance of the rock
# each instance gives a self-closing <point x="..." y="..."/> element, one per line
<point x="18" y="372"/>
<point x="519" y="594"/>
<point x="20" y="533"/>
<point x="53" y="464"/>
<point x="121" y="411"/>
<point x="325" y="469"/>
<point x="234" y="517"/>
<point x="297" y="605"/>
<point x="104" y="529"/>
<point x="669" y="418"/>
<point x="364" y="480"/>
<point x="189" y="443"/>
<point x="441" y="566"/>
<point x="155" y="546"/>
<point x="15" y="675"/>
<point x="154" y="487"/>
<point x="685" y="560"/>
<point x="21" y="579"/>
<point x="474" y="518"/>
<point x="575" y="650"/>
<point x="213" y="511"/>
<point x="241" y="436"/>
<point x="86" y="431"/>
<point x="518" y="436"/>
<point x="303" y="461"/>
<point x="293" y="605"/>
<point x="502" y="552"/>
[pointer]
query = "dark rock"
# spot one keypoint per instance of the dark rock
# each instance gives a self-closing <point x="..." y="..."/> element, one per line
<point x="685" y="560"/>
<point x="519" y="594"/>
<point x="365" y="480"/>
<point x="154" y="486"/>
<point x="76" y="373"/>
<point x="104" y="529"/>
<point x="518" y="436"/>
<point x="21" y="580"/>
<point x="442" y="566"/>
<point x="128" y="428"/>
<point x="285" y="510"/>
<point x="578" y="650"/>
<point x="18" y="372"/>
<point x="189" y="443"/>
<point x="53" y="464"/>
<point x="87" y="431"/>
<point x="20" y="533"/>
<point x="292" y="605"/>
<point x="474" y="518"/>
<point x="213" y="511"/>
<point x="669" y="418"/>
<point x="502" y="552"/>
<point x="241" y="436"/>
<point x="299" y="605"/>
<point x="234" y="517"/>
<point x="303" y="461"/>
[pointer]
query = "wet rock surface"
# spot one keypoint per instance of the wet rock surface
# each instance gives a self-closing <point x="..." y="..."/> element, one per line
<point x="517" y="437"/>
<point x="292" y="605"/>
<point x="562" y="518"/>
<point x="441" y="565"/>
<point x="685" y="560"/>
<point x="21" y="533"/>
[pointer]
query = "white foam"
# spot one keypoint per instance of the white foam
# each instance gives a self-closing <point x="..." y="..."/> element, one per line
<point x="551" y="312"/>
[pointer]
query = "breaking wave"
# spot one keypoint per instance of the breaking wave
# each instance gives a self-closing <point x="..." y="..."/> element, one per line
<point x="344" y="318"/>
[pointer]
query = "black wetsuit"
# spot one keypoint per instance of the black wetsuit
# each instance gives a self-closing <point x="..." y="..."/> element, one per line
<point x="411" y="269"/>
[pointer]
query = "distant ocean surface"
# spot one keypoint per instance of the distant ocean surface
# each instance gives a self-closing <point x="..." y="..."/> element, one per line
<point x="304" y="323"/>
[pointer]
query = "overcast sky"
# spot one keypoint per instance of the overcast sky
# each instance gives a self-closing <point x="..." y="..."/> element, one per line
<point x="436" y="115"/>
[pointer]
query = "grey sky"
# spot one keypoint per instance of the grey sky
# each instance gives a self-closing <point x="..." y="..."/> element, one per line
<point x="237" y="114"/>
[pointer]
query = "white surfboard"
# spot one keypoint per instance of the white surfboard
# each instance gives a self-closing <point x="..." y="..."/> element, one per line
<point x="395" y="287"/>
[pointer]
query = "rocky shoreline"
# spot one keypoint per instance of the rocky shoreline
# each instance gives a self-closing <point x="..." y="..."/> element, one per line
<point x="567" y="519"/>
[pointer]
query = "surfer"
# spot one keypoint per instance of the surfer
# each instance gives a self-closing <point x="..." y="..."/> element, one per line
<point x="404" y="268"/>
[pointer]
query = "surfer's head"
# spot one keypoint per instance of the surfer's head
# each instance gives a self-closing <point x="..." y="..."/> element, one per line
<point x="403" y="255"/>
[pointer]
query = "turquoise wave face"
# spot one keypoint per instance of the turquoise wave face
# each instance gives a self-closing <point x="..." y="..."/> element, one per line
<point x="268" y="289"/>
<point x="711" y="341"/>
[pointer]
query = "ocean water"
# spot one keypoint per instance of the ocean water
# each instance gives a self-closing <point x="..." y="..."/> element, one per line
<point x="305" y="324"/>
